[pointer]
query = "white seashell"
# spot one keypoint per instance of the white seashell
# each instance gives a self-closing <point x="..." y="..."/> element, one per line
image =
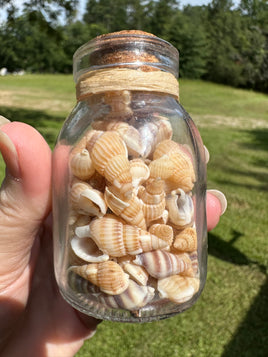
<point x="86" y="249"/>
<point x="81" y="165"/>
<point x="180" y="207"/>
<point x="140" y="172"/>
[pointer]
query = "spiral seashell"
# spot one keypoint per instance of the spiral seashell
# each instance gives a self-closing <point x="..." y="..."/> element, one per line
<point x="193" y="270"/>
<point x="140" y="172"/>
<point x="134" y="297"/>
<point x="180" y="207"/>
<point x="164" y="131"/>
<point x="166" y="147"/>
<point x="178" y="288"/>
<point x="81" y="165"/>
<point x="80" y="145"/>
<point x="108" y="276"/>
<point x="86" y="200"/>
<point x="160" y="264"/>
<point x="130" y="210"/>
<point x="86" y="249"/>
<point x="153" y="199"/>
<point x="81" y="285"/>
<point x="186" y="240"/>
<point x="161" y="168"/>
<point x="136" y="272"/>
<point x="91" y="137"/>
<point x="117" y="239"/>
<point x="162" y="231"/>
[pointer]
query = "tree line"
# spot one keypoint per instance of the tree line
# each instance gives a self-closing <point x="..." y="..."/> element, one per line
<point x="217" y="42"/>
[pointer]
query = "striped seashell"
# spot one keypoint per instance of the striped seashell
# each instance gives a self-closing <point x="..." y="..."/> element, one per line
<point x="186" y="240"/>
<point x="86" y="200"/>
<point x="91" y="137"/>
<point x="140" y="172"/>
<point x="193" y="270"/>
<point x="130" y="210"/>
<point x="161" y="168"/>
<point x="81" y="165"/>
<point x="164" y="131"/>
<point x="108" y="276"/>
<point x="117" y="239"/>
<point x="177" y="288"/>
<point x="180" y="207"/>
<point x="81" y="285"/>
<point x="136" y="272"/>
<point x="162" y="231"/>
<point x="166" y="147"/>
<point x="160" y="264"/>
<point x="86" y="249"/>
<point x="134" y="297"/>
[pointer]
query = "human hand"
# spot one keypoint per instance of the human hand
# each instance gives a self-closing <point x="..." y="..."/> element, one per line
<point x="34" y="319"/>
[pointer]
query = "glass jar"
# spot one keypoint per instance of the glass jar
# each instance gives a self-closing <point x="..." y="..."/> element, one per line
<point x="129" y="185"/>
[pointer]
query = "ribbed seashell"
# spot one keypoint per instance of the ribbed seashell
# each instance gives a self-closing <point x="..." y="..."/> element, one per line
<point x="193" y="270"/>
<point x="130" y="210"/>
<point x="91" y="137"/>
<point x="162" y="231"/>
<point x="78" y="220"/>
<point x="161" y="168"/>
<point x="164" y="130"/>
<point x="134" y="297"/>
<point x="162" y="220"/>
<point x="81" y="165"/>
<point x="130" y="135"/>
<point x="166" y="147"/>
<point x="86" y="249"/>
<point x="180" y="207"/>
<point x="117" y="239"/>
<point x="178" y="288"/>
<point x="108" y="276"/>
<point x="186" y="240"/>
<point x="153" y="199"/>
<point x="86" y="200"/>
<point x="147" y="133"/>
<point x="81" y="145"/>
<point x="140" y="172"/>
<point x="136" y="272"/>
<point x="160" y="264"/>
<point x="81" y="285"/>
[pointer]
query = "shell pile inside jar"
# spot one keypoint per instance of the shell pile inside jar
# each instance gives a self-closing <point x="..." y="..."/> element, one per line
<point x="131" y="225"/>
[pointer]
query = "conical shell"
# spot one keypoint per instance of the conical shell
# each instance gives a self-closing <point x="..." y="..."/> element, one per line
<point x="140" y="172"/>
<point x="147" y="133"/>
<point x="164" y="130"/>
<point x="183" y="176"/>
<point x="180" y="207"/>
<point x="193" y="271"/>
<point x="162" y="231"/>
<point x="81" y="165"/>
<point x="91" y="137"/>
<point x="117" y="239"/>
<point x="86" y="249"/>
<point x="108" y="276"/>
<point x="178" y="288"/>
<point x="186" y="240"/>
<point x="130" y="210"/>
<point x="166" y="147"/>
<point x="86" y="200"/>
<point x="161" y="168"/>
<point x="160" y="264"/>
<point x="136" y="272"/>
<point x="133" y="298"/>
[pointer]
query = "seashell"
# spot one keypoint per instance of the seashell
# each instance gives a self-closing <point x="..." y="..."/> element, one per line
<point x="193" y="270"/>
<point x="130" y="135"/>
<point x="162" y="220"/>
<point x="180" y="207"/>
<point x="136" y="272"/>
<point x="164" y="131"/>
<point x="81" y="285"/>
<point x="119" y="101"/>
<point x="166" y="147"/>
<point x="117" y="239"/>
<point x="130" y="211"/>
<point x="134" y="297"/>
<point x="108" y="276"/>
<point x="162" y="231"/>
<point x="140" y="172"/>
<point x="186" y="240"/>
<point x="178" y="288"/>
<point x="91" y="137"/>
<point x="161" y="168"/>
<point x="97" y="181"/>
<point x="86" y="249"/>
<point x="147" y="133"/>
<point x="81" y="145"/>
<point x="160" y="264"/>
<point x="153" y="199"/>
<point x="81" y="165"/>
<point x="86" y="200"/>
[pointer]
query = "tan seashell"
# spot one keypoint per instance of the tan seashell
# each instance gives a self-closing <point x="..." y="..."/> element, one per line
<point x="147" y="133"/>
<point x="130" y="210"/>
<point x="86" y="200"/>
<point x="86" y="249"/>
<point x="160" y="264"/>
<point x="186" y="240"/>
<point x="119" y="102"/>
<point x="136" y="272"/>
<point x="108" y="276"/>
<point x="178" y="288"/>
<point x="164" y="132"/>
<point x="166" y="147"/>
<point x="161" y="168"/>
<point x="140" y="172"/>
<point x="162" y="231"/>
<point x="91" y="137"/>
<point x="134" y="297"/>
<point x="193" y="270"/>
<point x="81" y="165"/>
<point x="117" y="239"/>
<point x="80" y="145"/>
<point x="180" y="207"/>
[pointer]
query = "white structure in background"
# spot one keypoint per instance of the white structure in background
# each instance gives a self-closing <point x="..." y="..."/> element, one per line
<point x="3" y="71"/>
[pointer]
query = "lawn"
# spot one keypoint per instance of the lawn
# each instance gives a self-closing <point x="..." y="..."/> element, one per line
<point x="231" y="317"/>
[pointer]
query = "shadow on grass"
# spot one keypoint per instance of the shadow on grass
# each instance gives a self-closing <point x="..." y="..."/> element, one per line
<point x="251" y="338"/>
<point x="47" y="125"/>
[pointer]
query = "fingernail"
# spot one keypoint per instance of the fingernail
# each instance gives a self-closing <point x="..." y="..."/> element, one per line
<point x="206" y="154"/>
<point x="3" y="120"/>
<point x="9" y="153"/>
<point x="221" y="197"/>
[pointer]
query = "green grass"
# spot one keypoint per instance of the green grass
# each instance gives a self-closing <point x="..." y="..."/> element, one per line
<point x="230" y="318"/>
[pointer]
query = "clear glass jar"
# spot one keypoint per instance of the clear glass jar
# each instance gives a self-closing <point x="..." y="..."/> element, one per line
<point x="129" y="185"/>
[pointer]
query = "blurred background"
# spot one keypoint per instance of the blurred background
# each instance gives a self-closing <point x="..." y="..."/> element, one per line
<point x="223" y="49"/>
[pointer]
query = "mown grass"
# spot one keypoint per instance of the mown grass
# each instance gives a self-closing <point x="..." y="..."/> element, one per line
<point x="230" y="318"/>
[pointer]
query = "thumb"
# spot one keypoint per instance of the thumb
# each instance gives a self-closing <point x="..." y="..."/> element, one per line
<point x="25" y="195"/>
